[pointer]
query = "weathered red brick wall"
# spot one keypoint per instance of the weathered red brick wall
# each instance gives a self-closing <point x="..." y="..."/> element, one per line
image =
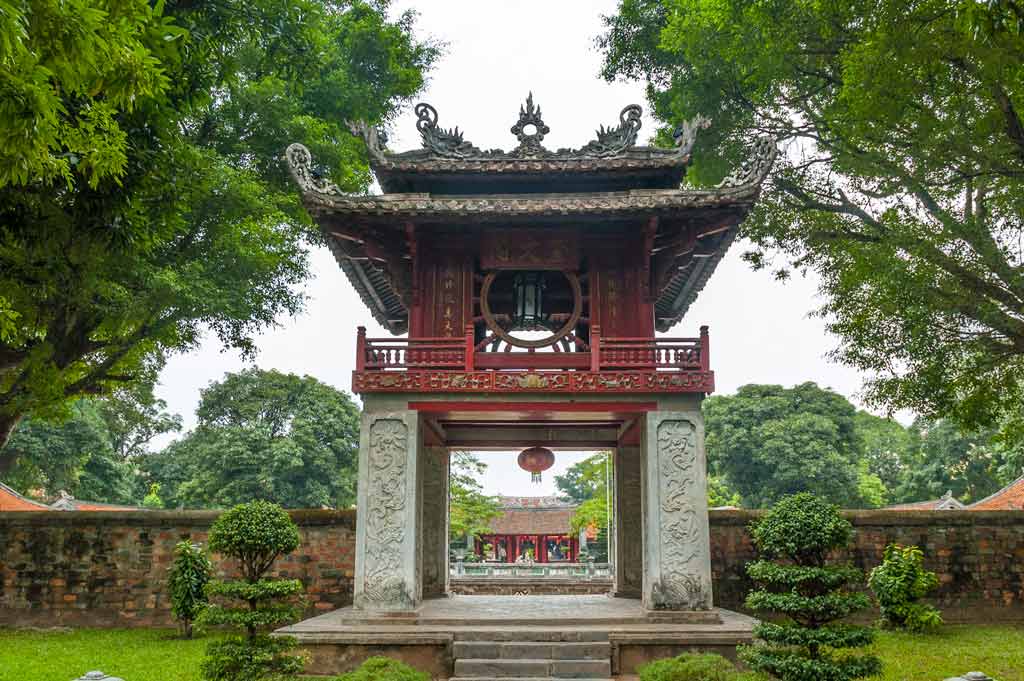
<point x="978" y="556"/>
<point x="110" y="568"/>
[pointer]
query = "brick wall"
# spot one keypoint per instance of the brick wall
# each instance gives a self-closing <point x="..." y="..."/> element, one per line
<point x="978" y="556"/>
<point x="109" y="569"/>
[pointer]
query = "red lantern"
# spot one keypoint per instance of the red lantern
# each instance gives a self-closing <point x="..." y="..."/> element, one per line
<point x="536" y="460"/>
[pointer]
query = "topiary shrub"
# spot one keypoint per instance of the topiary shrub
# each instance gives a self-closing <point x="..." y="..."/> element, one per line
<point x="383" y="669"/>
<point x="186" y="581"/>
<point x="899" y="583"/>
<point x="692" y="667"/>
<point x="808" y="595"/>
<point x="255" y="534"/>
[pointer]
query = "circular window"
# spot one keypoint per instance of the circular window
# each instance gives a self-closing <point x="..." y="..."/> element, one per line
<point x="526" y="301"/>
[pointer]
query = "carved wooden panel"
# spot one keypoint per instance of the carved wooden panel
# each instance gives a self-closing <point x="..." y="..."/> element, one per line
<point x="525" y="381"/>
<point x="546" y="249"/>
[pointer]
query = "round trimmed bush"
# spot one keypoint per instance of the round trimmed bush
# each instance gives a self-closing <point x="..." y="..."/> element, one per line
<point x="383" y="669"/>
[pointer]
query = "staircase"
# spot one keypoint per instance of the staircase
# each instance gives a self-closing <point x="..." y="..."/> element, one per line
<point x="523" y="654"/>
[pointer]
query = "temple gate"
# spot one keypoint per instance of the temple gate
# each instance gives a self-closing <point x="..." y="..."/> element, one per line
<point x="529" y="286"/>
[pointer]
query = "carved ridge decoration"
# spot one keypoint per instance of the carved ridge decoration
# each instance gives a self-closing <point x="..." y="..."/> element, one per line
<point x="753" y="170"/>
<point x="309" y="179"/>
<point x="614" y="141"/>
<point x="681" y="584"/>
<point x="383" y="581"/>
<point x="536" y="381"/>
<point x="530" y="142"/>
<point x="445" y="143"/>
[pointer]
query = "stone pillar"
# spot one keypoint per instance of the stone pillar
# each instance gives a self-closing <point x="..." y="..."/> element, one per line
<point x="434" y="521"/>
<point x="677" y="549"/>
<point x="388" y="513"/>
<point x="629" y="539"/>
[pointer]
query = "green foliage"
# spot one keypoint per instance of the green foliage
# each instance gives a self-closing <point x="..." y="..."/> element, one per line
<point x="692" y="667"/>
<point x="585" y="479"/>
<point x="899" y="584"/>
<point x="769" y="441"/>
<point x="255" y="534"/>
<point x="264" y="435"/>
<point x="152" y="499"/>
<point x="807" y="595"/>
<point x="902" y="184"/>
<point x="143" y="198"/>
<point x="255" y="658"/>
<point x="383" y="669"/>
<point x="186" y="582"/>
<point x="75" y="455"/>
<point x="470" y="511"/>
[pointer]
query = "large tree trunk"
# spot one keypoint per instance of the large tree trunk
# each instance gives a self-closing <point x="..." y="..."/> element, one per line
<point x="8" y="422"/>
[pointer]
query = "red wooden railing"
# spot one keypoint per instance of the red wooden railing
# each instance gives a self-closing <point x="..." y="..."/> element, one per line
<point x="651" y="354"/>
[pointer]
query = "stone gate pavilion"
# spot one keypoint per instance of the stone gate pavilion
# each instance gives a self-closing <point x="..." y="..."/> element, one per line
<point x="529" y="285"/>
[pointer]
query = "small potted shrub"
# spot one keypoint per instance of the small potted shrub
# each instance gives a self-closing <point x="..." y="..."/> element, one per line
<point x="255" y="534"/>
<point x="899" y="583"/>
<point x="797" y="583"/>
<point x="186" y="581"/>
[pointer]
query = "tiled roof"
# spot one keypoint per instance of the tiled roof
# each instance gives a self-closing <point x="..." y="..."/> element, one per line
<point x="534" y="521"/>
<point x="944" y="503"/>
<point x="66" y="502"/>
<point x="535" y="502"/>
<point x="1009" y="498"/>
<point x="12" y="501"/>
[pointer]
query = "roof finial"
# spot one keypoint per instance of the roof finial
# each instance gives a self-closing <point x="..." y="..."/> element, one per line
<point x="530" y="130"/>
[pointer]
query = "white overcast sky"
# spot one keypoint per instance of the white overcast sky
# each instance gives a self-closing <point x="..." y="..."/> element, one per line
<point x="496" y="53"/>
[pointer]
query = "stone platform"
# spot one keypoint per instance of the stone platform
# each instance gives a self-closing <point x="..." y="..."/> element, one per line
<point x="511" y="637"/>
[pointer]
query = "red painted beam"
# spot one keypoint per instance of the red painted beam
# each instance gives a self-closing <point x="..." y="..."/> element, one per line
<point x="537" y="407"/>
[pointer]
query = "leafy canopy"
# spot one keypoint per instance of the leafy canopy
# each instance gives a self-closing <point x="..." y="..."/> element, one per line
<point x="470" y="511"/>
<point x="143" y="199"/>
<point x="264" y="435"/>
<point x="902" y="185"/>
<point x="769" y="441"/>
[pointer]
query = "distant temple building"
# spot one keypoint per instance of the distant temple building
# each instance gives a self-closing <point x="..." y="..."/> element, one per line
<point x="1009" y="498"/>
<point x="532" y="529"/>
<point x="947" y="502"/>
<point x="11" y="500"/>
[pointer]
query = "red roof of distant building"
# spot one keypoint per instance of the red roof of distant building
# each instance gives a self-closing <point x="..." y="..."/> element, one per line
<point x="66" y="502"/>
<point x="12" y="501"/>
<point x="1009" y="498"/>
<point x="534" y="515"/>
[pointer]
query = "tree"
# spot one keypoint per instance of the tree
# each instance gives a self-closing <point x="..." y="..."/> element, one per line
<point x="264" y="435"/>
<point x="75" y="455"/>
<point x="143" y="199"/>
<point x="903" y="182"/>
<point x="769" y="441"/>
<point x="256" y="535"/>
<point x="971" y="465"/>
<point x="899" y="584"/>
<point x="585" y="479"/>
<point x="808" y="596"/>
<point x="887" y="448"/>
<point x="470" y="511"/>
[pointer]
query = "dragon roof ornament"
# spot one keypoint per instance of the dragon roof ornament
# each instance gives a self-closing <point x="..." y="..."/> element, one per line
<point x="755" y="168"/>
<point x="450" y="143"/>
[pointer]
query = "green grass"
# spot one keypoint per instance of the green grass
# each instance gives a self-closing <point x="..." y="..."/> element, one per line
<point x="158" y="655"/>
<point x="954" y="650"/>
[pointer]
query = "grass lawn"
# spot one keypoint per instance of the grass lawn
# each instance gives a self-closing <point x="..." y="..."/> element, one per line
<point x="157" y="655"/>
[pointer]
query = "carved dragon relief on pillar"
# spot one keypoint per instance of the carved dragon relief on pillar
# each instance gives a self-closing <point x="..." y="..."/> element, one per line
<point x="684" y="580"/>
<point x="386" y="527"/>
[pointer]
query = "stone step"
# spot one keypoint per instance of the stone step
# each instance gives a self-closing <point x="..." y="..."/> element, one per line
<point x="531" y="634"/>
<point x="534" y="650"/>
<point x="532" y="669"/>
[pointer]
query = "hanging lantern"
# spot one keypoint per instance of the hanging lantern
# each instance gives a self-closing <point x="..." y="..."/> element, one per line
<point x="528" y="294"/>
<point x="536" y="460"/>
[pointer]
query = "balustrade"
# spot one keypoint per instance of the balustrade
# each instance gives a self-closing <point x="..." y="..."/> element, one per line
<point x="603" y="354"/>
